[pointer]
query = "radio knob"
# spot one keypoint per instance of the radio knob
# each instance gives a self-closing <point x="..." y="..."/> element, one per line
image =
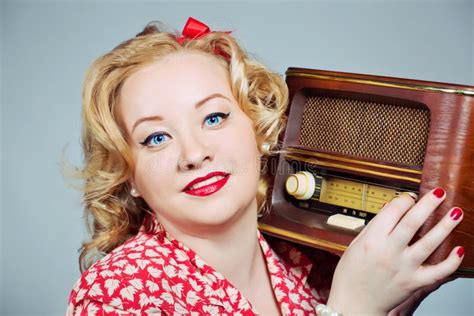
<point x="301" y="185"/>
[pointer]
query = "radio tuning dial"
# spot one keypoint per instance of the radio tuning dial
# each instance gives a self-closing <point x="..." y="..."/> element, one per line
<point x="301" y="185"/>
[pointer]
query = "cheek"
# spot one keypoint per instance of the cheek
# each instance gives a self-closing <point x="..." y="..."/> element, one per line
<point x="241" y="145"/>
<point x="152" y="172"/>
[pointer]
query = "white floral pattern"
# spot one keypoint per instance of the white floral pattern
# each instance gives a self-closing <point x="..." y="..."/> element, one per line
<point x="154" y="274"/>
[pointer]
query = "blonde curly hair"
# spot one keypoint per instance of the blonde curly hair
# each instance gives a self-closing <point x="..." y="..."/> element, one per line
<point x="112" y="215"/>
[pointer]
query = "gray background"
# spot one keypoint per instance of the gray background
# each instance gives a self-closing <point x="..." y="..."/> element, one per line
<point x="47" y="46"/>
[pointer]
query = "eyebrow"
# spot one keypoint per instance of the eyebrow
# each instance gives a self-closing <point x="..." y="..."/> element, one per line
<point x="197" y="105"/>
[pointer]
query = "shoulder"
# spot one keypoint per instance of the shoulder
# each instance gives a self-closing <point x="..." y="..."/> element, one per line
<point x="133" y="277"/>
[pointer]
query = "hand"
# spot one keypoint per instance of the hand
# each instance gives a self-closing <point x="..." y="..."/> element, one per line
<point x="409" y="306"/>
<point x="379" y="270"/>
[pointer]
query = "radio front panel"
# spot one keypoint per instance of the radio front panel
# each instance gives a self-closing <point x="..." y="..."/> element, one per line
<point x="355" y="142"/>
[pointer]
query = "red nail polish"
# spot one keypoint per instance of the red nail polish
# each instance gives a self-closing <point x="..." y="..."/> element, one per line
<point x="456" y="213"/>
<point x="439" y="193"/>
<point x="460" y="251"/>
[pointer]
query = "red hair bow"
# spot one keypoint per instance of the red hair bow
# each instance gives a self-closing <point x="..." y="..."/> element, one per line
<point x="194" y="29"/>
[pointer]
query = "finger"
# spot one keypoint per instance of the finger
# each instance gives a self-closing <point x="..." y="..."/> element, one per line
<point x="424" y="247"/>
<point x="427" y="275"/>
<point x="409" y="306"/>
<point x="366" y="228"/>
<point x="416" y="217"/>
<point x="390" y="215"/>
<point x="419" y="296"/>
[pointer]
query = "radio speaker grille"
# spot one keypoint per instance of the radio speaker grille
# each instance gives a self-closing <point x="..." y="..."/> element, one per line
<point x="386" y="132"/>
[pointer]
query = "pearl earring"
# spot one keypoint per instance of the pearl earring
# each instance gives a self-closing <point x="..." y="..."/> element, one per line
<point x="265" y="146"/>
<point x="134" y="192"/>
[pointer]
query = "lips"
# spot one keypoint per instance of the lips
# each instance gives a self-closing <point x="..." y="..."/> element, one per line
<point x="207" y="185"/>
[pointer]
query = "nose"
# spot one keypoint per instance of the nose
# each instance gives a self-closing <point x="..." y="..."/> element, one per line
<point x="194" y="153"/>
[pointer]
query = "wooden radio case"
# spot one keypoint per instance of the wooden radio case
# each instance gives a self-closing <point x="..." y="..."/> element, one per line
<point x="353" y="142"/>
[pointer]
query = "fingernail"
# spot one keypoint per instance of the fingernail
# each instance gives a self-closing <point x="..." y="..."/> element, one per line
<point x="439" y="193"/>
<point x="456" y="213"/>
<point x="460" y="251"/>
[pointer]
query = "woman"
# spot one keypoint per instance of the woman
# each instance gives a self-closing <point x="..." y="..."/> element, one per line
<point x="176" y="130"/>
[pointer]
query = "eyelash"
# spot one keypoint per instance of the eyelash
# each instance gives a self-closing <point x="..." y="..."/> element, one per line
<point x="146" y="142"/>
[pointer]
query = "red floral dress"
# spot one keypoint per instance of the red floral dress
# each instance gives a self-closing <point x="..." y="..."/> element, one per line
<point x="154" y="274"/>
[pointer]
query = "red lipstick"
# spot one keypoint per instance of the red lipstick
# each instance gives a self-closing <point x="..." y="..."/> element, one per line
<point x="209" y="188"/>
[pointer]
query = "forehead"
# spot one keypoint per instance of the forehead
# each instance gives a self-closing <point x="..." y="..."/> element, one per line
<point x="179" y="77"/>
<point x="176" y="81"/>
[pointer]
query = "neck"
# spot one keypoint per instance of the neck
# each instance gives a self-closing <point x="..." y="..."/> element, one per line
<point x="232" y="249"/>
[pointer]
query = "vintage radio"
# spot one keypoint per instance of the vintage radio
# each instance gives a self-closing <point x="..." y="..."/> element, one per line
<point x="354" y="141"/>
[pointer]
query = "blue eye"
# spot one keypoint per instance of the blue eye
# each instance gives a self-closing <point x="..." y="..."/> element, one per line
<point x="215" y="118"/>
<point x="154" y="139"/>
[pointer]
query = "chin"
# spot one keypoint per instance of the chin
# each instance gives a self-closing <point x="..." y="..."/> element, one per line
<point x="215" y="217"/>
<point x="220" y="214"/>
